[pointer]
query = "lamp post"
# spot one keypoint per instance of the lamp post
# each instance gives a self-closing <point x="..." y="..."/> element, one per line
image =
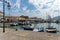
<point x="4" y="14"/>
<point x="9" y="6"/>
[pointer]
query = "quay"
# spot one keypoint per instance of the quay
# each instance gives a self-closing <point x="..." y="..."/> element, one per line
<point x="11" y="34"/>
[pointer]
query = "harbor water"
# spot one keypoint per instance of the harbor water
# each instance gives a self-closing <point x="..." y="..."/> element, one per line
<point x="39" y="25"/>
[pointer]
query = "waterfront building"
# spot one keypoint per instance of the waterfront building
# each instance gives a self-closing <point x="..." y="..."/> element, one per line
<point x="22" y="17"/>
<point x="1" y="14"/>
<point x="37" y="19"/>
<point x="15" y="18"/>
<point x="11" y="18"/>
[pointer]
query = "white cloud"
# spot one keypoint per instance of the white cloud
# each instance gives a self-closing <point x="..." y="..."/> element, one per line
<point x="57" y="2"/>
<point x="0" y="2"/>
<point x="17" y="4"/>
<point x="39" y="3"/>
<point x="24" y="8"/>
<point x="1" y="8"/>
<point x="51" y="4"/>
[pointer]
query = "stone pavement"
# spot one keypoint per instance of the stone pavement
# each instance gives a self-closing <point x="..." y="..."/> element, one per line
<point x="11" y="34"/>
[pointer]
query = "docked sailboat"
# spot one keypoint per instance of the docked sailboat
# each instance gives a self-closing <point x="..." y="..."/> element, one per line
<point x="50" y="28"/>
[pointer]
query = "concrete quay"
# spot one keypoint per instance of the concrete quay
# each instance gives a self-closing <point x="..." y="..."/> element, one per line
<point x="11" y="34"/>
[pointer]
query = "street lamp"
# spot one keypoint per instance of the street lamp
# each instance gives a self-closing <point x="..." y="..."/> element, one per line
<point x="9" y="6"/>
<point x="4" y="14"/>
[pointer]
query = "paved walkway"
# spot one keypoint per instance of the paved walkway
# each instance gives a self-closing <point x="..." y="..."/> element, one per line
<point x="11" y="34"/>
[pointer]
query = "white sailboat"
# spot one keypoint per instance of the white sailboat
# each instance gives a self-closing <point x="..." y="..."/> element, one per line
<point x="50" y="28"/>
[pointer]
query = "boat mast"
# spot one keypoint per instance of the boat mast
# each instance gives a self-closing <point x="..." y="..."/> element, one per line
<point x="48" y="19"/>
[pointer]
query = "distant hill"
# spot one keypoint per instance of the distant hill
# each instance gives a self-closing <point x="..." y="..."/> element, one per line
<point x="56" y="18"/>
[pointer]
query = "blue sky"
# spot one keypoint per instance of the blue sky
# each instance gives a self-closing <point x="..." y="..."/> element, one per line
<point x="33" y="8"/>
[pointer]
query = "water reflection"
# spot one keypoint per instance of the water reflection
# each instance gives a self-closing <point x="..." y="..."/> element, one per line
<point x="39" y="25"/>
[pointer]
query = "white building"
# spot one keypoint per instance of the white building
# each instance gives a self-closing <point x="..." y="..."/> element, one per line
<point x="1" y="14"/>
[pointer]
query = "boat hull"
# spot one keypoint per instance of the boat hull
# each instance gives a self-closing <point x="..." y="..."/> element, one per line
<point x="13" y="25"/>
<point x="31" y="29"/>
<point x="23" y="24"/>
<point x="41" y="31"/>
<point x="51" y="30"/>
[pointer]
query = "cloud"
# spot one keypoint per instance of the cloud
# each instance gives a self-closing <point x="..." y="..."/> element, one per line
<point x="57" y="2"/>
<point x="14" y="4"/>
<point x="39" y="4"/>
<point x="48" y="6"/>
<point x="17" y="4"/>
<point x="24" y="8"/>
<point x="0" y="2"/>
<point x="1" y="6"/>
<point x="43" y="8"/>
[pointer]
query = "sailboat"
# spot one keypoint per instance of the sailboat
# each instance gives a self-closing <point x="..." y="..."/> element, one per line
<point x="50" y="28"/>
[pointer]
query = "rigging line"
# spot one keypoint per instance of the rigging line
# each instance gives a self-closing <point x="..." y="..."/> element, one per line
<point x="58" y="16"/>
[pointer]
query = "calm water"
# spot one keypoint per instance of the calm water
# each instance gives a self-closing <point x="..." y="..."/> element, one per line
<point x="38" y="25"/>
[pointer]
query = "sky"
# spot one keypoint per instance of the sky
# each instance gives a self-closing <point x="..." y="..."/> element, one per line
<point x="32" y="8"/>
